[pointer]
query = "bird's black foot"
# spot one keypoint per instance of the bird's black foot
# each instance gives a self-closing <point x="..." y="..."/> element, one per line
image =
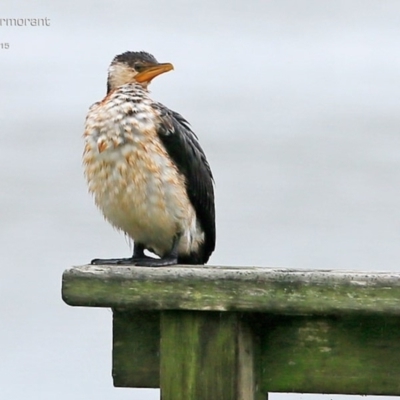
<point x="158" y="262"/>
<point x="137" y="261"/>
<point x="169" y="259"/>
<point x="122" y="261"/>
<point x="137" y="258"/>
<point x="140" y="259"/>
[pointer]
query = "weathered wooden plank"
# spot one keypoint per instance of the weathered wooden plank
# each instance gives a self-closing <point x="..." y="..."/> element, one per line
<point x="136" y="346"/>
<point x="348" y="355"/>
<point x="272" y="290"/>
<point x="205" y="356"/>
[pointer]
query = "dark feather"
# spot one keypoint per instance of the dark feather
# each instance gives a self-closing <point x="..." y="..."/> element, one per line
<point x="183" y="147"/>
<point x="130" y="57"/>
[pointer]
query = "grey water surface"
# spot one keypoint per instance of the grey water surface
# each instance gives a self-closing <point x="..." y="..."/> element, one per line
<point x="296" y="104"/>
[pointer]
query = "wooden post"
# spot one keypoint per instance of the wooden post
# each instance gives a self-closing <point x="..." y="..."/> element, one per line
<point x="136" y="348"/>
<point x="238" y="333"/>
<point x="206" y="356"/>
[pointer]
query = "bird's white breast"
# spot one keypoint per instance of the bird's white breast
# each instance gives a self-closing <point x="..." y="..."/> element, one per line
<point x="134" y="182"/>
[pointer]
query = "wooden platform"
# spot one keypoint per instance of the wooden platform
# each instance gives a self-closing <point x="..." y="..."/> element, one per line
<point x="228" y="333"/>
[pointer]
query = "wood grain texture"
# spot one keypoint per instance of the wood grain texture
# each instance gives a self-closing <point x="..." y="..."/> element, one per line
<point x="272" y="290"/>
<point x="205" y="356"/>
<point x="219" y="330"/>
<point x="136" y="349"/>
<point x="348" y="355"/>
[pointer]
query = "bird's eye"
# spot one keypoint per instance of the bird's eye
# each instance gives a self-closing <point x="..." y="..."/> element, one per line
<point x="138" y="67"/>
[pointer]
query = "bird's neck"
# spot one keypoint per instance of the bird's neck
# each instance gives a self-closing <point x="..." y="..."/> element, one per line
<point x="111" y="86"/>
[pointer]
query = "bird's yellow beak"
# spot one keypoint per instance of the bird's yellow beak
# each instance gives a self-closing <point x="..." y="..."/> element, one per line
<point x="152" y="71"/>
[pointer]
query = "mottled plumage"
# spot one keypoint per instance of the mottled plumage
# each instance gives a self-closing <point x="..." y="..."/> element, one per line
<point x="146" y="169"/>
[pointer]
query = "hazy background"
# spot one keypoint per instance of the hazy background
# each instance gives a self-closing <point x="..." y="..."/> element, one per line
<point x="296" y="104"/>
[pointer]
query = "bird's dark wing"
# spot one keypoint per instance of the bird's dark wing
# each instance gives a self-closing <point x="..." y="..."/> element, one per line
<point x="183" y="147"/>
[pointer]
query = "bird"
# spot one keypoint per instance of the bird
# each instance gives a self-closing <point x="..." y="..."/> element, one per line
<point x="146" y="170"/>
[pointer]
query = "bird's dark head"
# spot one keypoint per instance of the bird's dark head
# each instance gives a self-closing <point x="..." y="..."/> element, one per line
<point x="134" y="67"/>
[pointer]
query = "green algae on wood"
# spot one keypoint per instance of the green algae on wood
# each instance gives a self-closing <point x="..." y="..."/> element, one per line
<point x="283" y="291"/>
<point x="205" y="356"/>
<point x="268" y="329"/>
<point x="136" y="349"/>
<point x="348" y="355"/>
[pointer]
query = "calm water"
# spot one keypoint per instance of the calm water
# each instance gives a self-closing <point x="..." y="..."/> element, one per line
<point x="296" y="105"/>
